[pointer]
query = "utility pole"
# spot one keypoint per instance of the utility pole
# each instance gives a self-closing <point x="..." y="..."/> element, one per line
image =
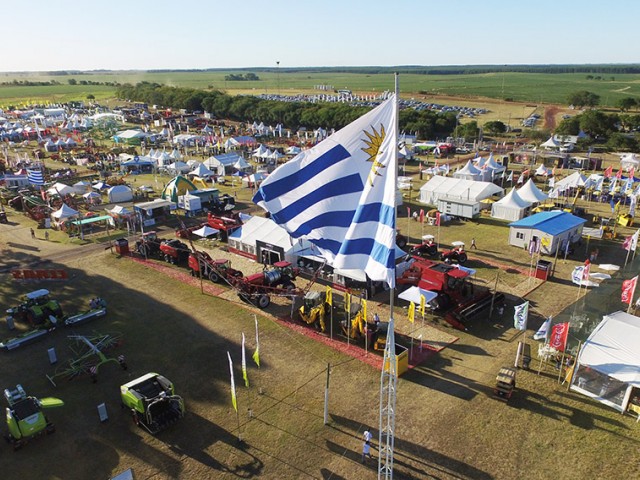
<point x="278" y="74"/>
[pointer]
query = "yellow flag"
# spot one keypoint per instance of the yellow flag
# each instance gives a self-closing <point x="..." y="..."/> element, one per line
<point x="412" y="312"/>
<point x="423" y="304"/>
<point x="364" y="310"/>
<point x="329" y="296"/>
<point x="545" y="242"/>
<point x="234" y="401"/>
<point x="347" y="302"/>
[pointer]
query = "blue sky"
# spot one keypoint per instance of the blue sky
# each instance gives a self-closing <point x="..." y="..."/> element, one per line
<point x="142" y="34"/>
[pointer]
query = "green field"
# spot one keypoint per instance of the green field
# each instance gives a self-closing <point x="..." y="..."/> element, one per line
<point x="519" y="87"/>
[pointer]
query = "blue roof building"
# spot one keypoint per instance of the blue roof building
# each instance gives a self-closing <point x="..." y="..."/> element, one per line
<point x="553" y="229"/>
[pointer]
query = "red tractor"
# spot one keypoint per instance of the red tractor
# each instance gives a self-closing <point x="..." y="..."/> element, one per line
<point x="149" y="245"/>
<point x="214" y="270"/>
<point x="427" y="248"/>
<point x="257" y="287"/>
<point x="456" y="254"/>
<point x="174" y="251"/>
<point x="227" y="224"/>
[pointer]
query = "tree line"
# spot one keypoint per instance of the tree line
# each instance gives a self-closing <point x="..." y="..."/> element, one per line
<point x="291" y="115"/>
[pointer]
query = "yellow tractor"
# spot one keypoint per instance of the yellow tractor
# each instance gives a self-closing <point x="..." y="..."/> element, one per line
<point x="313" y="311"/>
<point x="358" y="328"/>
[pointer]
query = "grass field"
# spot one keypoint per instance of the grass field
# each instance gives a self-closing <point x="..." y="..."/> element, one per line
<point x="519" y="87"/>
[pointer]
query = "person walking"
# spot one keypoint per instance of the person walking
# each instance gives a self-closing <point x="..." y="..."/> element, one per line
<point x="33" y="233"/>
<point x="366" y="451"/>
<point x="46" y="235"/>
<point x="473" y="243"/>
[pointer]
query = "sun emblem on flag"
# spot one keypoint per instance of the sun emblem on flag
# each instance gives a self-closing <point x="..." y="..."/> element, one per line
<point x="374" y="142"/>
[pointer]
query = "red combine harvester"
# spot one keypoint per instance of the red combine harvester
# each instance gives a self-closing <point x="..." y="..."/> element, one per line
<point x="227" y="224"/>
<point x="256" y="288"/>
<point x="214" y="270"/>
<point x="456" y="296"/>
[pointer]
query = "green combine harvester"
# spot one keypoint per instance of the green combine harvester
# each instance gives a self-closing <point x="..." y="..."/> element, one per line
<point x="25" y="419"/>
<point x="153" y="402"/>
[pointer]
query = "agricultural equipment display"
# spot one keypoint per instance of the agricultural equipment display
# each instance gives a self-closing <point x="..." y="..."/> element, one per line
<point x="226" y="224"/>
<point x="358" y="327"/>
<point x="220" y="205"/>
<point x="25" y="418"/>
<point x="214" y="270"/>
<point x="456" y="295"/>
<point x="256" y="288"/>
<point x="149" y="245"/>
<point x="428" y="247"/>
<point x="152" y="401"/>
<point x="89" y="356"/>
<point x="38" y="309"/>
<point x="456" y="254"/>
<point x="313" y="310"/>
<point x="97" y="308"/>
<point x="401" y="240"/>
<point x="174" y="251"/>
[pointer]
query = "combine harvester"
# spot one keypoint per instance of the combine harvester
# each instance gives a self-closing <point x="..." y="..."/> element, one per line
<point x="455" y="295"/>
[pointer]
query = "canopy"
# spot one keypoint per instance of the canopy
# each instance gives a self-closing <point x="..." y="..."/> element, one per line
<point x="530" y="193"/>
<point x="468" y="172"/>
<point x="613" y="348"/>
<point x="511" y="207"/>
<point x="438" y="187"/>
<point x="576" y="179"/>
<point x="412" y="294"/>
<point x="205" y="231"/>
<point x="65" y="212"/>
<point x="201" y="171"/>
<point x="60" y="189"/>
<point x="120" y="210"/>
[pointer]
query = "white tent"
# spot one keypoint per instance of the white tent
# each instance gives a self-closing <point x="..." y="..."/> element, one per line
<point x="551" y="144"/>
<point x="542" y="170"/>
<point x="202" y="172"/>
<point x="575" y="180"/>
<point x="178" y="167"/>
<point x="468" y="172"/>
<point x="293" y="150"/>
<point x="120" y="210"/>
<point x="241" y="164"/>
<point x="438" y="187"/>
<point x="609" y="362"/>
<point x="629" y="161"/>
<point x="205" y="231"/>
<point x="91" y="196"/>
<point x="120" y="193"/>
<point x="412" y="294"/>
<point x="530" y="193"/>
<point x="64" y="212"/>
<point x="82" y="187"/>
<point x="60" y="189"/>
<point x="511" y="207"/>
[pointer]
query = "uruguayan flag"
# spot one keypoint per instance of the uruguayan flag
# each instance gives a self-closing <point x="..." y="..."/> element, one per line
<point x="340" y="195"/>
<point x="35" y="177"/>
<point x="543" y="331"/>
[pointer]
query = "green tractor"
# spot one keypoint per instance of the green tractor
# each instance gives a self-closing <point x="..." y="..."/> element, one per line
<point x="153" y="402"/>
<point x="25" y="419"/>
<point x="38" y="309"/>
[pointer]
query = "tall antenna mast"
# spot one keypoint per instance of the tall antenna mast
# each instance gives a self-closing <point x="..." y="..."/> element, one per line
<point x="389" y="375"/>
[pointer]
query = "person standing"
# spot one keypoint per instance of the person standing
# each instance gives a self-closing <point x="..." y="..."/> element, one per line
<point x="473" y="243"/>
<point x="33" y="233"/>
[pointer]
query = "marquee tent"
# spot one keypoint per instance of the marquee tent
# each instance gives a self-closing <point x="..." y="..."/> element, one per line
<point x="531" y="193"/>
<point x="201" y="171"/>
<point x="468" y="172"/>
<point x="60" y="189"/>
<point x="176" y="187"/>
<point x="65" y="212"/>
<point x="511" y="207"/>
<point x="438" y="187"/>
<point x="608" y="367"/>
<point x="222" y="164"/>
<point x="205" y="231"/>
<point x="119" y="193"/>
<point x="575" y="180"/>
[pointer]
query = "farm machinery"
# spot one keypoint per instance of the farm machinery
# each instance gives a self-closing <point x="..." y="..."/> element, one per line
<point x="428" y="247"/>
<point x="226" y="224"/>
<point x="44" y="315"/>
<point x="152" y="401"/>
<point x="174" y="251"/>
<point x="455" y="254"/>
<point x="149" y="245"/>
<point x="25" y="417"/>
<point x="256" y="288"/>
<point x="456" y="296"/>
<point x="214" y="270"/>
<point x="314" y="309"/>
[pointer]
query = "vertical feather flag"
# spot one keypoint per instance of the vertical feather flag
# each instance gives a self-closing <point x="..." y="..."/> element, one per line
<point x="234" y="400"/>
<point x="329" y="296"/>
<point x="244" y="364"/>
<point x="347" y="302"/>
<point x="364" y="310"/>
<point x="543" y="331"/>
<point x="559" y="336"/>
<point x="521" y="315"/>
<point x="628" y="290"/>
<point x="256" y="354"/>
<point x="423" y="304"/>
<point x="412" y="312"/>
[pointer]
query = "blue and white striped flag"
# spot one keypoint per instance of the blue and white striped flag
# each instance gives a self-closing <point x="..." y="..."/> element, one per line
<point x="341" y="195"/>
<point x="35" y="177"/>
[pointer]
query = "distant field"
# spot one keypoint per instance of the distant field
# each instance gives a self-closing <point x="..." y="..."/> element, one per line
<point x="519" y="87"/>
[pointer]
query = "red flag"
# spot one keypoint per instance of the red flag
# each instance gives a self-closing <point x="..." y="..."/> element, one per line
<point x="559" y="334"/>
<point x="627" y="243"/>
<point x="608" y="172"/>
<point x="408" y="212"/>
<point x="43" y="194"/>
<point x="437" y="219"/>
<point x="628" y="290"/>
<point x="632" y="172"/>
<point x="421" y="215"/>
<point x="619" y="174"/>
<point x="526" y="172"/>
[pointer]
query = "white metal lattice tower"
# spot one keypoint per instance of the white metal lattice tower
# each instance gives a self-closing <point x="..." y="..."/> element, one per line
<point x="388" y="384"/>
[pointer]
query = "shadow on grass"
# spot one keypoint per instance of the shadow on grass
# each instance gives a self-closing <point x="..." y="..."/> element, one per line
<point x="410" y="459"/>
